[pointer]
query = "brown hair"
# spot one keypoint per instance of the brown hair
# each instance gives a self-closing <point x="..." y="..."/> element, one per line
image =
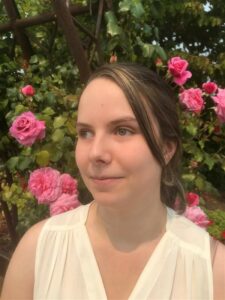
<point x="148" y="96"/>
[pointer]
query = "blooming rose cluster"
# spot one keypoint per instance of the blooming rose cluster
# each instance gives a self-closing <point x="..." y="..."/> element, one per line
<point x="27" y="129"/>
<point x="194" y="213"/>
<point x="57" y="190"/>
<point x="192" y="98"/>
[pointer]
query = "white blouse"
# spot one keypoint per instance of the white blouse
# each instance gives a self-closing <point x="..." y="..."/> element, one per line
<point x="179" y="268"/>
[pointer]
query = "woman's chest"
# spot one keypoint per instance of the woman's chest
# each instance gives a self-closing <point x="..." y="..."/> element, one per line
<point x="121" y="270"/>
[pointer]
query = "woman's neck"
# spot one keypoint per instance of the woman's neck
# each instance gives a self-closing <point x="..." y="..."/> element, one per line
<point x="130" y="227"/>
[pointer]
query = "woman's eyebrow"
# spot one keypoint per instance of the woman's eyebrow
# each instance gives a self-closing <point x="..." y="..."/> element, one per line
<point x="123" y="120"/>
<point x="113" y="122"/>
<point x="82" y="124"/>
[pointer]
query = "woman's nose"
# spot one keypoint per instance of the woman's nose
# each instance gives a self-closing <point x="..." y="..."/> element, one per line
<point x="100" y="150"/>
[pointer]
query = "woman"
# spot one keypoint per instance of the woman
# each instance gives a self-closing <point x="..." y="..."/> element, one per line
<point x="128" y="243"/>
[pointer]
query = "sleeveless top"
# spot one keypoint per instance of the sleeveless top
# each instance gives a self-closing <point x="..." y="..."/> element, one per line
<point x="65" y="268"/>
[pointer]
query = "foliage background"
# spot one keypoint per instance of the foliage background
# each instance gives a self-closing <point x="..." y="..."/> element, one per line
<point x="134" y="30"/>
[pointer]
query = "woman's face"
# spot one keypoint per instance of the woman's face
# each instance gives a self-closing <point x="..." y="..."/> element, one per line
<point x="111" y="153"/>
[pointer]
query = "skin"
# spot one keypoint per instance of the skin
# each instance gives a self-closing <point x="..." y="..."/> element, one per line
<point x="118" y="168"/>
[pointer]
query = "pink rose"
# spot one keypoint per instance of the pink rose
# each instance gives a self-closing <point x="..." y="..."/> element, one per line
<point x="178" y="69"/>
<point x="192" y="199"/>
<point x="192" y="99"/>
<point x="64" y="203"/>
<point x="44" y="184"/>
<point x="219" y="99"/>
<point x="28" y="90"/>
<point x="209" y="87"/>
<point x="68" y="184"/>
<point x="26" y="129"/>
<point x="197" y="215"/>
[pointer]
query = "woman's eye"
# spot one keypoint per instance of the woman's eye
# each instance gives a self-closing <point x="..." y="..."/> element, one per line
<point x="124" y="131"/>
<point x="86" y="134"/>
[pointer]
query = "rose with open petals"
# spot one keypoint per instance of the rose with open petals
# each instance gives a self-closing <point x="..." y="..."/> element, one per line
<point x="28" y="90"/>
<point x="177" y="67"/>
<point x="68" y="184"/>
<point x="209" y="87"/>
<point x="44" y="184"/>
<point x="26" y="129"/>
<point x="197" y="215"/>
<point x="192" y="199"/>
<point x="64" y="203"/>
<point x="192" y="99"/>
<point x="219" y="99"/>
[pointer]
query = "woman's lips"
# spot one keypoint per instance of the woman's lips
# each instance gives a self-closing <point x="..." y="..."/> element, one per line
<point x="106" y="180"/>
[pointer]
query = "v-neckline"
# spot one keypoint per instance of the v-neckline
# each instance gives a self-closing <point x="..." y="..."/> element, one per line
<point x="93" y="277"/>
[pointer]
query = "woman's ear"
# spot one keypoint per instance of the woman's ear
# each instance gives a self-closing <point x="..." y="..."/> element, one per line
<point x="169" y="150"/>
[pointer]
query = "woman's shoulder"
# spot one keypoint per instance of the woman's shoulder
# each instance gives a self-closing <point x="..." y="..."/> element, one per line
<point x="21" y="269"/>
<point x="20" y="272"/>
<point x="68" y="219"/>
<point x="188" y="233"/>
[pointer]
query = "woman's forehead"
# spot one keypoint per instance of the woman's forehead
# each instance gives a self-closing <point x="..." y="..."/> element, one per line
<point x="103" y="93"/>
<point x="103" y="102"/>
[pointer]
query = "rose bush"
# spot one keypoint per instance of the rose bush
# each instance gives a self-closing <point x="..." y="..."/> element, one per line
<point x="26" y="129"/>
<point x="57" y="108"/>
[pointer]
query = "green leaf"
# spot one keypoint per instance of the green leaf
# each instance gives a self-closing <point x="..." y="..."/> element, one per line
<point x="209" y="161"/>
<point x="24" y="162"/>
<point x="3" y="104"/>
<point x="137" y="9"/>
<point x="134" y="6"/>
<point x="124" y="5"/>
<point x="33" y="59"/>
<point x="48" y="111"/>
<point x="59" y="122"/>
<point x="188" y="177"/>
<point x="161" y="52"/>
<point x="147" y="30"/>
<point x="71" y="126"/>
<point x="199" y="182"/>
<point x="42" y="158"/>
<point x="49" y="99"/>
<point x="19" y="109"/>
<point x="192" y="129"/>
<point x="58" y="135"/>
<point x="12" y="163"/>
<point x="112" y="26"/>
<point x="198" y="155"/>
<point x="148" y="50"/>
<point x="56" y="156"/>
